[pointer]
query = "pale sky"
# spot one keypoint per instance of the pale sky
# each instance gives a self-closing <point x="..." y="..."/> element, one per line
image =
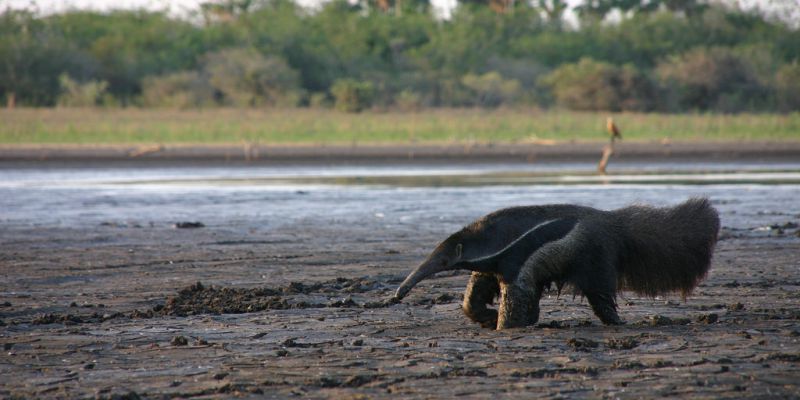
<point x="174" y="6"/>
<point x="786" y="9"/>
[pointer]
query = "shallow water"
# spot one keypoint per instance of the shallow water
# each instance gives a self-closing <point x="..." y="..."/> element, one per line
<point x="748" y="195"/>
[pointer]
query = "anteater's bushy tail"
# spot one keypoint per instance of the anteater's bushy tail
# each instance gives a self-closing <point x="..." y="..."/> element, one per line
<point x="666" y="249"/>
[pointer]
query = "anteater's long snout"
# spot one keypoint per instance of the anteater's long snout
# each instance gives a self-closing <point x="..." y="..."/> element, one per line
<point x="425" y="270"/>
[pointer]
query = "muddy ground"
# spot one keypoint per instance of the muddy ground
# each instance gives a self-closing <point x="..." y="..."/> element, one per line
<point x="116" y="311"/>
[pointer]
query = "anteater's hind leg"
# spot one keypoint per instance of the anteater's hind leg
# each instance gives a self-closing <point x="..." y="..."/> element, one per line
<point x="604" y="307"/>
<point x="600" y="288"/>
<point x="481" y="290"/>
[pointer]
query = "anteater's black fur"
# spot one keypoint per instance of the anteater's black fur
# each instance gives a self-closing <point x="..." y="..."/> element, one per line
<point x="647" y="250"/>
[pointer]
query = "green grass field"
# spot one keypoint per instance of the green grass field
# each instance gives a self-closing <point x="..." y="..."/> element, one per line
<point x="308" y="126"/>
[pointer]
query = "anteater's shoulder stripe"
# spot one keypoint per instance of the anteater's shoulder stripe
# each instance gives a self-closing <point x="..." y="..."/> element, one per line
<point x="516" y="241"/>
<point x="511" y="258"/>
<point x="515" y="256"/>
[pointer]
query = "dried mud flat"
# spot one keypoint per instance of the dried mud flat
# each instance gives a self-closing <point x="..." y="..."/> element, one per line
<point x="115" y="311"/>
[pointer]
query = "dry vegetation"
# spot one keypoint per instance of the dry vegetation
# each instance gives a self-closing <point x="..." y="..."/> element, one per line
<point x="315" y="126"/>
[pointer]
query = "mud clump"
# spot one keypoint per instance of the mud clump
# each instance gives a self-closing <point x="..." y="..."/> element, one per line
<point x="454" y="372"/>
<point x="625" y="343"/>
<point x="780" y="313"/>
<point x="335" y="286"/>
<point x="58" y="318"/>
<point x="220" y="376"/>
<point x="179" y="341"/>
<point x="660" y="320"/>
<point x="200" y="299"/>
<point x="708" y="318"/>
<point x="736" y="307"/>
<point x="552" y="325"/>
<point x="347" y="302"/>
<point x="382" y="303"/>
<point x="359" y="380"/>
<point x="788" y="357"/>
<point x="189" y="225"/>
<point x="444" y="298"/>
<point x="582" y="344"/>
<point x="121" y="396"/>
<point x="628" y="365"/>
<point x="72" y="319"/>
<point x="555" y="372"/>
<point x="349" y="382"/>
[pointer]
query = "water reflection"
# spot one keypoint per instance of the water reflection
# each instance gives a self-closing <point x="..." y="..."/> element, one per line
<point x="746" y="195"/>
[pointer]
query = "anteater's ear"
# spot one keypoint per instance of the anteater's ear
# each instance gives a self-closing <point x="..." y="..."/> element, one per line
<point x="459" y="247"/>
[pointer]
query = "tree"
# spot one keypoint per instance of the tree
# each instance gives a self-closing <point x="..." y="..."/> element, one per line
<point x="490" y="89"/>
<point x="126" y="46"/>
<point x="712" y="79"/>
<point x="599" y="9"/>
<point x="404" y="52"/>
<point x="178" y="90"/>
<point x="351" y="95"/>
<point x="398" y="7"/>
<point x="32" y="57"/>
<point x="245" y="78"/>
<point x="593" y="85"/>
<point x="787" y="83"/>
<point x="224" y="10"/>
<point x="553" y="9"/>
<point x="498" y="6"/>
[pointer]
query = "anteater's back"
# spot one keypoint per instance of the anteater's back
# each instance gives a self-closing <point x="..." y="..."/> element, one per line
<point x="666" y="249"/>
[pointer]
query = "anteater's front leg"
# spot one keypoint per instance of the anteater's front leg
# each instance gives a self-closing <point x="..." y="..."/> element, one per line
<point x="482" y="289"/>
<point x="519" y="306"/>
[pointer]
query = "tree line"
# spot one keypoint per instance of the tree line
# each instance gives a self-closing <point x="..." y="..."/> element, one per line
<point x="619" y="55"/>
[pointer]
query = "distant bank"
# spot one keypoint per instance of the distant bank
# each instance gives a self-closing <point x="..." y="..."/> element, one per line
<point x="545" y="151"/>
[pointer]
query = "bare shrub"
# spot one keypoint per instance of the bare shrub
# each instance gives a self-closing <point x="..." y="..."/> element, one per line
<point x="76" y="94"/>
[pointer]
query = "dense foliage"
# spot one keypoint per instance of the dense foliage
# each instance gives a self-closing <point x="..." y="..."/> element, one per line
<point x="646" y="55"/>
